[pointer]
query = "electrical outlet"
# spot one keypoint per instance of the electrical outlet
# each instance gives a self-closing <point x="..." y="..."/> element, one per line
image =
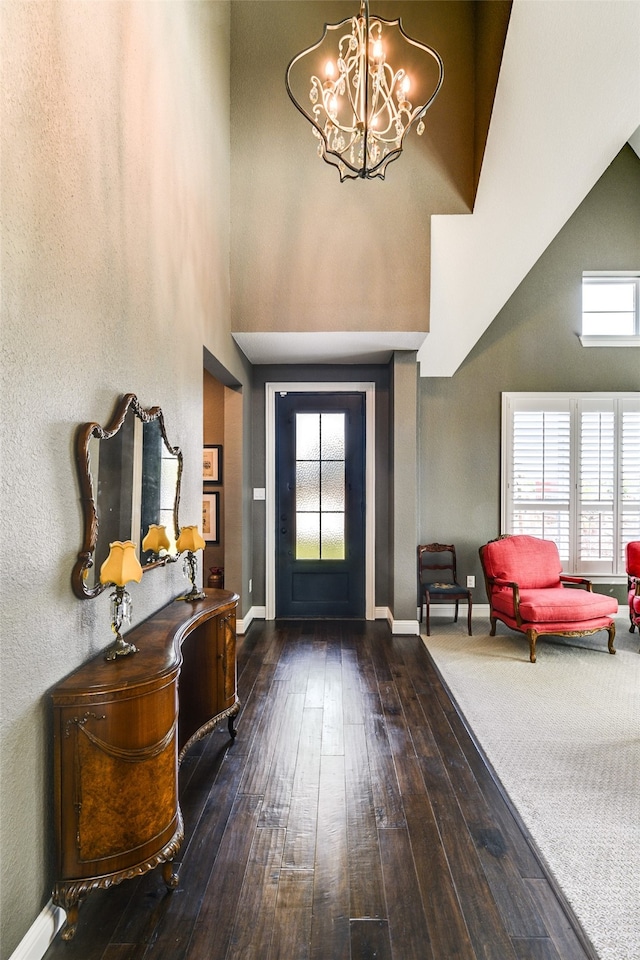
<point x="471" y="581"/>
<point x="250" y="585"/>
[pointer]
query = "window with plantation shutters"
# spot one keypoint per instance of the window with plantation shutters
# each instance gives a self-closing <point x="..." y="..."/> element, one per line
<point x="541" y="475"/>
<point x="571" y="474"/>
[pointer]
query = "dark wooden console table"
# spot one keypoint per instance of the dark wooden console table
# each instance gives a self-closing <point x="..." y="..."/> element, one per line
<point x="120" y="731"/>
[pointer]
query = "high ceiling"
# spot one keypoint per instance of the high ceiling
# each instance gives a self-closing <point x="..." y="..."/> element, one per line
<point x="330" y="272"/>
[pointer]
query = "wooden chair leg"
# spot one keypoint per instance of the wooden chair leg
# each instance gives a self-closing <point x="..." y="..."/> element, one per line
<point x="455" y="620"/>
<point x="612" y="635"/>
<point x="427" y="616"/>
<point x="469" y="604"/>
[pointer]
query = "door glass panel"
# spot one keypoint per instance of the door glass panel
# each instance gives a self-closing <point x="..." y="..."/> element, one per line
<point x="332" y="545"/>
<point x="332" y="436"/>
<point x="307" y="485"/>
<point x="307" y="436"/>
<point x="307" y="536"/>
<point x="320" y="486"/>
<point x="333" y="485"/>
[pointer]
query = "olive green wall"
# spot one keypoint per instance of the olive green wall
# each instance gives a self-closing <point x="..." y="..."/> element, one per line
<point x="531" y="345"/>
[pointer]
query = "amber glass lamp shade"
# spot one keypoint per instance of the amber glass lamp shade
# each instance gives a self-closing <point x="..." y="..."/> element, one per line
<point x="120" y="567"/>
<point x="156" y="539"/>
<point x="190" y="539"/>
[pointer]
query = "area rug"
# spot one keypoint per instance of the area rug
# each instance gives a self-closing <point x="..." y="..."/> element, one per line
<point x="563" y="736"/>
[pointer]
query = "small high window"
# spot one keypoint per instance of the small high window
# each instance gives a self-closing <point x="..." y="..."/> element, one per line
<point x="610" y="309"/>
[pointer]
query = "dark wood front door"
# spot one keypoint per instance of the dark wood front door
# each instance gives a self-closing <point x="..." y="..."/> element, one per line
<point x="320" y="505"/>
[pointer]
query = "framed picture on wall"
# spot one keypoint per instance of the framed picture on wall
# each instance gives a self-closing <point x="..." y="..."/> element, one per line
<point x="211" y="516"/>
<point x="212" y="463"/>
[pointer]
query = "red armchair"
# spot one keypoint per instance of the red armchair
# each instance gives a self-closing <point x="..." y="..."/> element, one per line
<point x="527" y="592"/>
<point x="633" y="573"/>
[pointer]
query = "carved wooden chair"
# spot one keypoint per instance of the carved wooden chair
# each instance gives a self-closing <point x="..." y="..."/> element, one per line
<point x="633" y="584"/>
<point x="437" y="581"/>
<point x="528" y="592"/>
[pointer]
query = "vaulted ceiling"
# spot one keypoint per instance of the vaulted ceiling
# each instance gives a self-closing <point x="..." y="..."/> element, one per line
<point x="329" y="272"/>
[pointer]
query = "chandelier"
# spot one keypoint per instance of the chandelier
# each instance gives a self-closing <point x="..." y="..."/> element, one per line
<point x="362" y="109"/>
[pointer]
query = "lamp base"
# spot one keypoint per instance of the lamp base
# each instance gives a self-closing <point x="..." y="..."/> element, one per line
<point x="194" y="594"/>
<point x="120" y="649"/>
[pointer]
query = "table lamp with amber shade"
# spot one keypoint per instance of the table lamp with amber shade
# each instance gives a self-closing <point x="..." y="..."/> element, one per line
<point x="120" y="568"/>
<point x="156" y="539"/>
<point x="189" y="541"/>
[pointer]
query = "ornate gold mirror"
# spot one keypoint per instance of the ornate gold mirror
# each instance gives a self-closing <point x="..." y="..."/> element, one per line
<point x="130" y="478"/>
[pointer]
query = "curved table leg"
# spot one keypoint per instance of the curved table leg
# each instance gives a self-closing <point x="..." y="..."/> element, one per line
<point x="169" y="875"/>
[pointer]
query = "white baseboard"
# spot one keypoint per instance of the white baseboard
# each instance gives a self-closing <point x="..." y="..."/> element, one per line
<point x="40" y="934"/>
<point x="253" y="613"/>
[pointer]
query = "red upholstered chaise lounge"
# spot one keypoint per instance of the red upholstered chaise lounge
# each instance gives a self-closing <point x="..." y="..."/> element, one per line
<point x="528" y="592"/>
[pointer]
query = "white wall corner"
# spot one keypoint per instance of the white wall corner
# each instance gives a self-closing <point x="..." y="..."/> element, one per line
<point x="254" y="613"/>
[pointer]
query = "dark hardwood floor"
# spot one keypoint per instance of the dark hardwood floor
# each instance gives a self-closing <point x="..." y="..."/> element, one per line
<point x="352" y="818"/>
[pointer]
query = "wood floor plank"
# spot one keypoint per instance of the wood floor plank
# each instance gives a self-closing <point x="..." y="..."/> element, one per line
<point x="213" y="928"/>
<point x="400" y="740"/>
<point x="569" y="945"/>
<point x="408" y="928"/>
<point x="330" y="933"/>
<point x="315" y="682"/>
<point x="256" y="904"/>
<point x="352" y="702"/>
<point x="279" y="786"/>
<point x="541" y="949"/>
<point x="528" y="863"/>
<point x="265" y="743"/>
<point x="366" y="887"/>
<point x="445" y="920"/>
<point x="292" y="921"/>
<point x="333" y="716"/>
<point x="370" y="940"/>
<point x="306" y="777"/>
<point x="519" y="913"/>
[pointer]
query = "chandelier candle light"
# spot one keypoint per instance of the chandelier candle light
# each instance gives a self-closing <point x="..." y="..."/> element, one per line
<point x="361" y="110"/>
<point x="190" y="540"/>
<point x="120" y="567"/>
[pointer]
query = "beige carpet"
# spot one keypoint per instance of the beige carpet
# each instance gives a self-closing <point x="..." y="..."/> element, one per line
<point x="563" y="736"/>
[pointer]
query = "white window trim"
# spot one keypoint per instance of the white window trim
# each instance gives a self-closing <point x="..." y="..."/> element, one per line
<point x="601" y="341"/>
<point x="548" y="400"/>
<point x="611" y="340"/>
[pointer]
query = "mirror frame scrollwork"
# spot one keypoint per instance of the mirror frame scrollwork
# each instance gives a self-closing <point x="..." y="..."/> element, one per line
<point x="94" y="431"/>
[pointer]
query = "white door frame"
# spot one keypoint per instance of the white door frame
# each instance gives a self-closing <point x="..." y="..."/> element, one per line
<point x="369" y="390"/>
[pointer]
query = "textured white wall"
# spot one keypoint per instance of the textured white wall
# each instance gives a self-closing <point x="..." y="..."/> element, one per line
<point x="115" y="272"/>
